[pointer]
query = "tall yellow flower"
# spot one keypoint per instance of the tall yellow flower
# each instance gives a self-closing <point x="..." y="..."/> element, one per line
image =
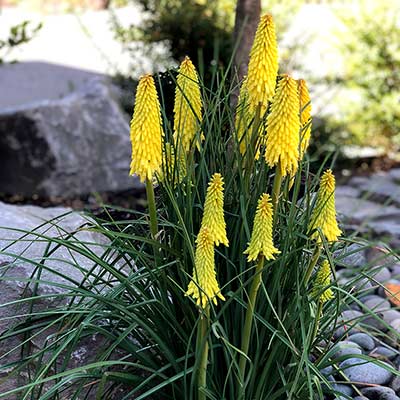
<point x="324" y="214"/>
<point x="204" y="286"/>
<point x="146" y="131"/>
<point x="321" y="289"/>
<point x="283" y="127"/>
<point x="187" y="106"/>
<point x="305" y="116"/>
<point x="263" y="64"/>
<point x="261" y="242"/>
<point x="213" y="217"/>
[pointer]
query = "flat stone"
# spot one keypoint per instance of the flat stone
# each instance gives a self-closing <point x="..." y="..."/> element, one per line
<point x="386" y="226"/>
<point x="365" y="341"/>
<point x="381" y="188"/>
<point x="396" y="271"/>
<point x="347" y="191"/>
<point x="381" y="274"/>
<point x="376" y="392"/>
<point x="395" y="324"/>
<point x="360" y="398"/>
<point x="363" y="372"/>
<point x="365" y="211"/>
<point x="395" y="384"/>
<point x="394" y="173"/>
<point x="390" y="315"/>
<point x="385" y="352"/>
<point x="377" y="304"/>
<point x="327" y="370"/>
<point x="346" y="390"/>
<point x="379" y="256"/>
<point x="368" y="297"/>
<point x="358" y="181"/>
<point x="345" y="348"/>
<point x="353" y="255"/>
<point x="347" y="320"/>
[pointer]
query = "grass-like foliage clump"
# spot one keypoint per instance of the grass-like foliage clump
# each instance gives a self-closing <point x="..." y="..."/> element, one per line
<point x="225" y="288"/>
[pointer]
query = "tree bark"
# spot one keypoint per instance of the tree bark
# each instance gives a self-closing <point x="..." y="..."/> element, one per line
<point x="246" y="21"/>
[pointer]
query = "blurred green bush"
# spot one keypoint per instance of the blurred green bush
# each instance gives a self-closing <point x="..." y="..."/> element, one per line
<point x="371" y="50"/>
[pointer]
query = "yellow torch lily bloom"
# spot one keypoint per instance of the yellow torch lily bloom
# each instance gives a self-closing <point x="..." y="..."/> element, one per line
<point x="146" y="131"/>
<point x="261" y="242"/>
<point x="283" y="127"/>
<point x="323" y="216"/>
<point x="187" y="106"/>
<point x="305" y="116"/>
<point x="204" y="286"/>
<point x="263" y="64"/>
<point x="321" y="289"/>
<point x="213" y="217"/>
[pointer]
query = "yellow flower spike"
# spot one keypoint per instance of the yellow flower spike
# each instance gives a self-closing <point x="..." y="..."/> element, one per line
<point x="305" y="116"/>
<point x="187" y="106"/>
<point x="261" y="242"/>
<point x="263" y="64"/>
<point x="146" y="131"/>
<point x="283" y="127"/>
<point x="321" y="289"/>
<point x="324" y="214"/>
<point x="204" y="286"/>
<point x="213" y="217"/>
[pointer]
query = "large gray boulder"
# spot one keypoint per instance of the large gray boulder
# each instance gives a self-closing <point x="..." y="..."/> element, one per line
<point x="21" y="255"/>
<point x="71" y="146"/>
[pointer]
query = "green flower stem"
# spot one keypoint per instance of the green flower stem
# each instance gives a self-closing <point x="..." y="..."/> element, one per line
<point x="152" y="208"/>
<point x="316" y="322"/>
<point x="314" y="260"/>
<point x="252" y="145"/>
<point x="202" y="345"/>
<point x="276" y="190"/>
<point x="246" y="334"/>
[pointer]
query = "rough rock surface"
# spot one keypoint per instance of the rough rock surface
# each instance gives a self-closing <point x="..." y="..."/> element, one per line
<point x="72" y="146"/>
<point x="62" y="269"/>
<point x="372" y="204"/>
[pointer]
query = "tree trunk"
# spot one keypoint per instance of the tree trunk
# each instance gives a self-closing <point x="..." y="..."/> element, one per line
<point x="246" y="21"/>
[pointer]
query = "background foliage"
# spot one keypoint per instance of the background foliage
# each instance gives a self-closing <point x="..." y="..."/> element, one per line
<point x="371" y="50"/>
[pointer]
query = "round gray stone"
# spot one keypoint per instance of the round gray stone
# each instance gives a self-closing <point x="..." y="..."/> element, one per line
<point x="342" y="389"/>
<point x="364" y="340"/>
<point x="346" y="348"/>
<point x="395" y="324"/>
<point x="381" y="275"/>
<point x="395" y="384"/>
<point x="327" y="370"/>
<point x="390" y="315"/>
<point x="396" y="271"/>
<point x="364" y="372"/>
<point x="376" y="392"/>
<point x="385" y="352"/>
<point x="367" y="297"/>
<point x="377" y="304"/>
